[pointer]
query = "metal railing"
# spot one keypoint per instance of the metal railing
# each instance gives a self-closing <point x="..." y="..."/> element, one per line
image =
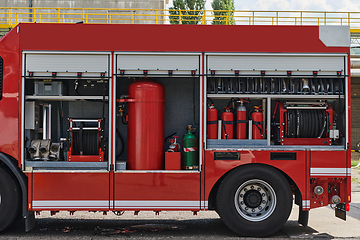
<point x="10" y="17"/>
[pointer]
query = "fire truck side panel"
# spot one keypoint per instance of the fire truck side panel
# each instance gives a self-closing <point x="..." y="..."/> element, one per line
<point x="68" y="191"/>
<point x="9" y="104"/>
<point x="84" y="164"/>
<point x="294" y="169"/>
<point x="291" y="40"/>
<point x="163" y="191"/>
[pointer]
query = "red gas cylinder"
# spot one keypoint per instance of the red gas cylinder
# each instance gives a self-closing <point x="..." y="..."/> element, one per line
<point x="227" y="128"/>
<point x="146" y="110"/>
<point x="241" y="121"/>
<point x="257" y="126"/>
<point x="212" y="122"/>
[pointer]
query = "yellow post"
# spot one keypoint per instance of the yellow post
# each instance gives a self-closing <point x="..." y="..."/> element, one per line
<point x="228" y="18"/>
<point x="295" y="21"/>
<point x="277" y="18"/>
<point x="10" y="17"/>
<point x="83" y="16"/>
<point x="324" y="18"/>
<point x="16" y="18"/>
<point x="155" y="16"/>
<point x="253" y="23"/>
<point x="132" y="17"/>
<point x="301" y="15"/>
<point x="58" y="19"/>
<point x="179" y="17"/>
<point x="348" y="18"/>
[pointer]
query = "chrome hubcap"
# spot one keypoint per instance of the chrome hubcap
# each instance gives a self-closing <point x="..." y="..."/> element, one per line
<point x="255" y="200"/>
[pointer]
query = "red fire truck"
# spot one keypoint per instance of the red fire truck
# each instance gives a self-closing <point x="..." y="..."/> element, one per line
<point x="242" y="120"/>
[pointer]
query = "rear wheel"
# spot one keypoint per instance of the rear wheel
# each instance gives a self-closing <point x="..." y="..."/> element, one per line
<point x="254" y="200"/>
<point x="9" y="199"/>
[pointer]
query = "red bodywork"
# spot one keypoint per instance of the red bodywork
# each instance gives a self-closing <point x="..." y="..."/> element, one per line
<point x="122" y="190"/>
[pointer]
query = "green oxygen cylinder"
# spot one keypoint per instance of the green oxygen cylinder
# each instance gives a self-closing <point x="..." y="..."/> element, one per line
<point x="190" y="150"/>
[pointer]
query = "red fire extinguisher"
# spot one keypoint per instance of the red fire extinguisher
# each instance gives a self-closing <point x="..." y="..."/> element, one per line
<point x="174" y="146"/>
<point x="241" y="120"/>
<point x="227" y="118"/>
<point x="257" y="125"/>
<point x="212" y="122"/>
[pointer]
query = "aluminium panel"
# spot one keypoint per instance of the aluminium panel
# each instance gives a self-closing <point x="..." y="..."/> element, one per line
<point x="275" y="64"/>
<point x="158" y="63"/>
<point x="67" y="65"/>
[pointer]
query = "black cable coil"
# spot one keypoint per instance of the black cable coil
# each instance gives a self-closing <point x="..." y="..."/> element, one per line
<point x="306" y="123"/>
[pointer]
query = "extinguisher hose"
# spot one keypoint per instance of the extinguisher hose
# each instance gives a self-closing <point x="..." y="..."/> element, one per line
<point x="122" y="143"/>
<point x="170" y="136"/>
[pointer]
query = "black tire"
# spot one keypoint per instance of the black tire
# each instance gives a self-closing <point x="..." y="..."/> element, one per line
<point x="254" y="200"/>
<point x="9" y="199"/>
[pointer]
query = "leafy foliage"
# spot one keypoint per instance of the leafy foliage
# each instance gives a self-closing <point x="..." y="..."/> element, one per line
<point x="223" y="12"/>
<point x="187" y="11"/>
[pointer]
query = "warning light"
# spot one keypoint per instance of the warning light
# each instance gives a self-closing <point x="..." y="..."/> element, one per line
<point x="212" y="72"/>
<point x="53" y="74"/>
<point x="347" y="207"/>
<point x="237" y="72"/>
<point x="262" y="73"/>
<point x="315" y="73"/>
<point x="102" y="74"/>
<point x="170" y="72"/>
<point x="289" y="73"/>
<point x="31" y="74"/>
<point x="339" y="73"/>
<point x="79" y="74"/>
<point x="193" y="72"/>
<point x="145" y="72"/>
<point x="122" y="72"/>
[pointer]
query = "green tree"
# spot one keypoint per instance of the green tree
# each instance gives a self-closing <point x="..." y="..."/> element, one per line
<point x="190" y="11"/>
<point x="223" y="12"/>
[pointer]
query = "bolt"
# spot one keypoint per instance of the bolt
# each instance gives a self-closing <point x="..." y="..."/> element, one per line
<point x="253" y="210"/>
<point x="260" y="208"/>
<point x="252" y="187"/>
<point x="263" y="194"/>
<point x="242" y="203"/>
<point x="246" y="208"/>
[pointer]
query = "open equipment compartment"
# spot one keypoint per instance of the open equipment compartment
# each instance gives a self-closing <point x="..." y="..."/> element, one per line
<point x="66" y="110"/>
<point x="276" y="100"/>
<point x="153" y="93"/>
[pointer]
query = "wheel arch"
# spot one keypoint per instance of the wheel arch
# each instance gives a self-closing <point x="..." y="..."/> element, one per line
<point x="11" y="164"/>
<point x="215" y="188"/>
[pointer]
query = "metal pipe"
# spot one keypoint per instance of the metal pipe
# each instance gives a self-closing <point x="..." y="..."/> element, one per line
<point x="47" y="121"/>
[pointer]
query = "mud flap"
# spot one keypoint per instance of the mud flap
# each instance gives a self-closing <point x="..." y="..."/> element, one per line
<point x="303" y="217"/>
<point x="340" y="211"/>
<point x="29" y="221"/>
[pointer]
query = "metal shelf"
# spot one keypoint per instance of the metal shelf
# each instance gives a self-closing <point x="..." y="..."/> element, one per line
<point x="65" y="98"/>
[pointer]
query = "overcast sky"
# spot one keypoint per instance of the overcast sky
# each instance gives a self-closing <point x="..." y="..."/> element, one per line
<point x="278" y="5"/>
